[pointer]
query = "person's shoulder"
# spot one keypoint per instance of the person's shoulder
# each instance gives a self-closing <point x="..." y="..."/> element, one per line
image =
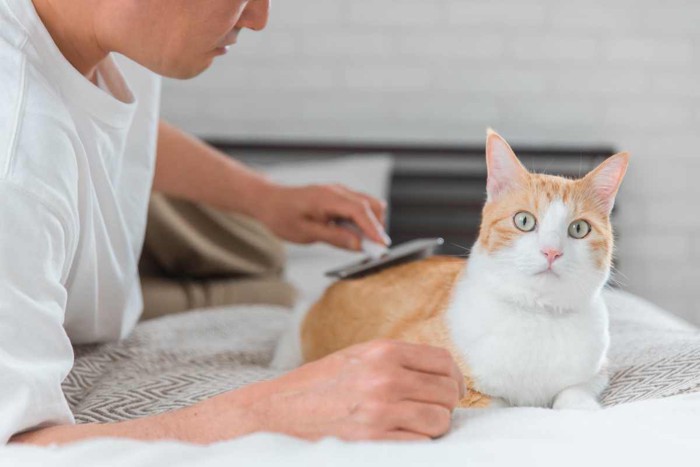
<point x="37" y="134"/>
<point x="12" y="34"/>
<point x="25" y="78"/>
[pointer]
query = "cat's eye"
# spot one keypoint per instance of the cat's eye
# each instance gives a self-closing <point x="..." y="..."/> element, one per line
<point x="579" y="229"/>
<point x="524" y="221"/>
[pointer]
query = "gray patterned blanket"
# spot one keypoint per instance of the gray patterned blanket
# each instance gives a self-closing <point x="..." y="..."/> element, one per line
<point x="177" y="360"/>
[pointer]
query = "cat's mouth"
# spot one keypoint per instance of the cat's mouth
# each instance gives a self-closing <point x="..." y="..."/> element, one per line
<point x="549" y="272"/>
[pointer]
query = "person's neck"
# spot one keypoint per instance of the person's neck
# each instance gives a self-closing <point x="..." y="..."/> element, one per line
<point x="71" y="27"/>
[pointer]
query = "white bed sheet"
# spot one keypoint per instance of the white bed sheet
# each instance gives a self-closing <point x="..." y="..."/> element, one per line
<point x="656" y="432"/>
<point x="662" y="431"/>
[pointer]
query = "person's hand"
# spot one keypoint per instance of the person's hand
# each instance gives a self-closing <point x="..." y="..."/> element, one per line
<point x="306" y="214"/>
<point x="381" y="389"/>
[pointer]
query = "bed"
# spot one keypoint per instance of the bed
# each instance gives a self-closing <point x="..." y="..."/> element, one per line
<point x="651" y="415"/>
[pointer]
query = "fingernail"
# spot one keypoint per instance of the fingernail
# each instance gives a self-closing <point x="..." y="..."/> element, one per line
<point x="387" y="240"/>
<point x="353" y="244"/>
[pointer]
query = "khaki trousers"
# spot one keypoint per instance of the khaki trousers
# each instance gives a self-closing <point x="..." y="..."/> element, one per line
<point x="196" y="256"/>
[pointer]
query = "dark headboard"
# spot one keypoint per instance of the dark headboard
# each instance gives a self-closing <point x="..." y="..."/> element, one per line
<point x="436" y="191"/>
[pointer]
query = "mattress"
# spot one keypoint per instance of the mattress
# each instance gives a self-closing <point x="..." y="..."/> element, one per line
<point x="652" y="404"/>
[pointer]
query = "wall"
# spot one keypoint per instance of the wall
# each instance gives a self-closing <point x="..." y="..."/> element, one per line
<point x="619" y="72"/>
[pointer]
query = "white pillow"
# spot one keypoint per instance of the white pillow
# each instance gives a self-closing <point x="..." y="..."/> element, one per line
<point x="368" y="173"/>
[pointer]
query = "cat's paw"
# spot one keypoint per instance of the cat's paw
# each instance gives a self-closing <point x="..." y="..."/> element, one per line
<point x="575" y="400"/>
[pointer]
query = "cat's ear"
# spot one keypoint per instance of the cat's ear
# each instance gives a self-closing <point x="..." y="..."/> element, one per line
<point x="504" y="169"/>
<point x="605" y="180"/>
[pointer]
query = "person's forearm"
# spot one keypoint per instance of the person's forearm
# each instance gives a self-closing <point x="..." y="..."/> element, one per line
<point x="188" y="168"/>
<point x="225" y="416"/>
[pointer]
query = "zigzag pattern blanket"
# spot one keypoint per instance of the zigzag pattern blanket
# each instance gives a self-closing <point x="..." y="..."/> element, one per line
<point x="177" y="360"/>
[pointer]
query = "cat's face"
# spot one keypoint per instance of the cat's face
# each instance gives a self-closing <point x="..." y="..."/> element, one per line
<point x="548" y="232"/>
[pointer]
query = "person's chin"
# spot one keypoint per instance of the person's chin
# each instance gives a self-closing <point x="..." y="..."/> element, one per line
<point x="187" y="70"/>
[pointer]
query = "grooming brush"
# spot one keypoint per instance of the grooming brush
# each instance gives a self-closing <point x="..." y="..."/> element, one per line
<point x="380" y="257"/>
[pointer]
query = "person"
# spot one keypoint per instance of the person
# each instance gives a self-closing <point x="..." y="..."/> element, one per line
<point x="81" y="148"/>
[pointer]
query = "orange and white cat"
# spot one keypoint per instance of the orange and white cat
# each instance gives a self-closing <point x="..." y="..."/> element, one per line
<point x="523" y="317"/>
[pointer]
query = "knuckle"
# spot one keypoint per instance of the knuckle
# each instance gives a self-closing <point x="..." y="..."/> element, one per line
<point x="381" y="386"/>
<point x="444" y="359"/>
<point x="443" y="353"/>
<point x="382" y="348"/>
<point x="360" y="206"/>
<point x="323" y="190"/>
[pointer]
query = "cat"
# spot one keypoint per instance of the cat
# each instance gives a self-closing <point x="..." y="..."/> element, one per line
<point x="523" y="317"/>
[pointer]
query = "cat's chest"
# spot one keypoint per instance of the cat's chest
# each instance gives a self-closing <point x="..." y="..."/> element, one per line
<point x="523" y="356"/>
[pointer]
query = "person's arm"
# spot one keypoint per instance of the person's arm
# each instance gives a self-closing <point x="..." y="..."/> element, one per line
<point x="36" y="242"/>
<point x="195" y="424"/>
<point x="188" y="168"/>
<point x="375" y="390"/>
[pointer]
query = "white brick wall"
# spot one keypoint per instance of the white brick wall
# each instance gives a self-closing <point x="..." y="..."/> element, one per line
<point x="619" y="72"/>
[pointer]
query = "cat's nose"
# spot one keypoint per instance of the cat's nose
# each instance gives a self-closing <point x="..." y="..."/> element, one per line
<point x="552" y="254"/>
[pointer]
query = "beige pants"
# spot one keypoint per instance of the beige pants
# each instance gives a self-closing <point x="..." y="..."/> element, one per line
<point x="196" y="256"/>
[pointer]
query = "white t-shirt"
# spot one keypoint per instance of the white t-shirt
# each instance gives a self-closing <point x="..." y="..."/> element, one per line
<point x="76" y="169"/>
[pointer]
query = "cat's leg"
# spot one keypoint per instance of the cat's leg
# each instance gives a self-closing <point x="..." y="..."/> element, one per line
<point x="582" y="396"/>
<point x="288" y="353"/>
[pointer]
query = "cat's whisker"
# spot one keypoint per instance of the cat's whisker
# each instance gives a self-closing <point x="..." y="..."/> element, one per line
<point x="615" y="273"/>
<point x="460" y="246"/>
<point x="613" y="280"/>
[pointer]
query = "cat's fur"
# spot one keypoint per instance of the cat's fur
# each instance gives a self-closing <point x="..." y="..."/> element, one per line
<point x="523" y="331"/>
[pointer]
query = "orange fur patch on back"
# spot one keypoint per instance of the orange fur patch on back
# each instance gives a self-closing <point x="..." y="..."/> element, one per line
<point x="405" y="302"/>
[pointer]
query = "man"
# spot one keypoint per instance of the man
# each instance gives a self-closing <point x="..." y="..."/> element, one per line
<point x="80" y="149"/>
